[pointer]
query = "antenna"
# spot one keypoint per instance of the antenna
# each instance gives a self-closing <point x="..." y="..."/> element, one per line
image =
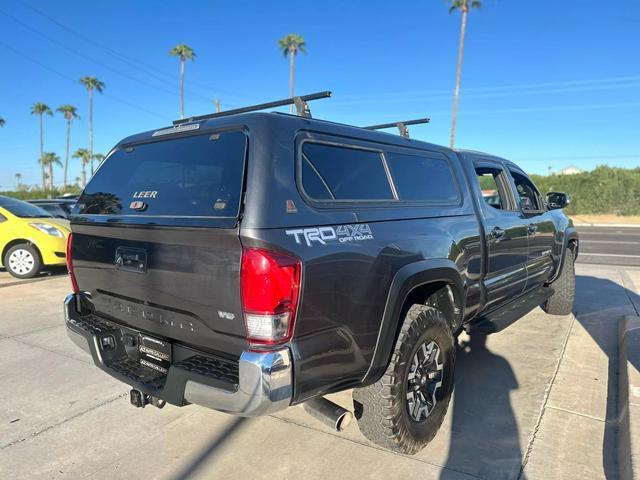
<point x="401" y="126"/>
<point x="300" y="102"/>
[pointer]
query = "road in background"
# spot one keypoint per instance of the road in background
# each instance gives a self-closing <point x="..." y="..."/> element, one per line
<point x="609" y="245"/>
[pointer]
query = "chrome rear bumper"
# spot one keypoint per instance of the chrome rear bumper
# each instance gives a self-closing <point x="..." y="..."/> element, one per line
<point x="264" y="379"/>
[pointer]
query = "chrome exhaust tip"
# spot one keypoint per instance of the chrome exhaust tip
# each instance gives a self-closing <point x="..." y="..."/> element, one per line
<point x="329" y="413"/>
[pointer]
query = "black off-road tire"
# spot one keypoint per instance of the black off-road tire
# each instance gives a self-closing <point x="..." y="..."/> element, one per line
<point x="382" y="408"/>
<point x="561" y="302"/>
<point x="29" y="264"/>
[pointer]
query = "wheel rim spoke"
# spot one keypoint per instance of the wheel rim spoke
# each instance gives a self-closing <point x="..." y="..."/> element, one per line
<point x="424" y="380"/>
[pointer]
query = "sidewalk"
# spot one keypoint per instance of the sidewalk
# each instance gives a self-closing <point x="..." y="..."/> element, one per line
<point x="606" y="220"/>
<point x="577" y="436"/>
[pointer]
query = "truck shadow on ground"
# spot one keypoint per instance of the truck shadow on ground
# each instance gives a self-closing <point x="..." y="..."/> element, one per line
<point x="485" y="439"/>
<point x="599" y="305"/>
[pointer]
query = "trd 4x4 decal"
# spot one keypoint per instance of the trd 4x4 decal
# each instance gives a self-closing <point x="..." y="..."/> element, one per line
<point x="324" y="235"/>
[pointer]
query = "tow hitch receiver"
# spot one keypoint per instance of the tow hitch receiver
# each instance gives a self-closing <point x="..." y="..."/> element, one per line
<point x="140" y="399"/>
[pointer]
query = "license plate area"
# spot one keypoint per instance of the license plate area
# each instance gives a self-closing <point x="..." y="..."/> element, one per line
<point x="154" y="353"/>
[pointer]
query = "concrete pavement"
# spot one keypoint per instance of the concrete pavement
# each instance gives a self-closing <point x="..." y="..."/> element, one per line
<point x="538" y="400"/>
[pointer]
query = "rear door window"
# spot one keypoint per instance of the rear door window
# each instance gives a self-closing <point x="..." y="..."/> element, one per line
<point x="332" y="172"/>
<point x="422" y="178"/>
<point x="194" y="176"/>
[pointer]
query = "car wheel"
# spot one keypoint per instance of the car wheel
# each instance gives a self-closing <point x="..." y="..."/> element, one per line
<point x="561" y="302"/>
<point x="405" y="408"/>
<point x="23" y="261"/>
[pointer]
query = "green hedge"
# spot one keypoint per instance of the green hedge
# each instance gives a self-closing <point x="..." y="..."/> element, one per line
<point x="606" y="190"/>
<point x="31" y="193"/>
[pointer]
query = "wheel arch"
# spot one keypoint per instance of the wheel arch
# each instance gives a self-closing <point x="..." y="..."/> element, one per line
<point x="570" y="241"/>
<point x="435" y="282"/>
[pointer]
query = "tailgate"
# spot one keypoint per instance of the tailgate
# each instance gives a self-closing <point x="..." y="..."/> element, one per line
<point x="156" y="241"/>
<point x="179" y="284"/>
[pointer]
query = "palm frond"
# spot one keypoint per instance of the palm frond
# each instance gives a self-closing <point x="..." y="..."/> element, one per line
<point x="185" y="52"/>
<point x="92" y="83"/>
<point x="292" y="43"/>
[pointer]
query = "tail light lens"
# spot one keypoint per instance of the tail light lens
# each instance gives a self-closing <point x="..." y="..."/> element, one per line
<point x="72" y="275"/>
<point x="270" y="284"/>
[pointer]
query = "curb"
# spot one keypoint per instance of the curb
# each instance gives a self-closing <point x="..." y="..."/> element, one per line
<point x="614" y="225"/>
<point x="629" y="397"/>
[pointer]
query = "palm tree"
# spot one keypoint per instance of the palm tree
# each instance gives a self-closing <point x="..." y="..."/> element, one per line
<point x="2" y="122"/>
<point x="463" y="6"/>
<point x="41" y="109"/>
<point x="49" y="159"/>
<point x="290" y="45"/>
<point x="70" y="112"/>
<point x="184" y="53"/>
<point x="91" y="84"/>
<point x="18" y="177"/>
<point x="85" y="157"/>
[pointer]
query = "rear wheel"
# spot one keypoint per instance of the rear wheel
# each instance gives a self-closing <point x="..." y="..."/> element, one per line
<point x="561" y="302"/>
<point x="23" y="261"/>
<point x="405" y="408"/>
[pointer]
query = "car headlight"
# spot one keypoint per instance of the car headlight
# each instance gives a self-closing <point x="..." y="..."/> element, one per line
<point x="48" y="229"/>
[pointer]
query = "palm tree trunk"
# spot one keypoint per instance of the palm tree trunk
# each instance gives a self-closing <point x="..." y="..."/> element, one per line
<point x="456" y="93"/>
<point x="91" y="127"/>
<point x="44" y="183"/>
<point x="292" y="54"/>
<point x="84" y="176"/>
<point x="182" y="87"/>
<point x="51" y="177"/>
<point x="66" y="160"/>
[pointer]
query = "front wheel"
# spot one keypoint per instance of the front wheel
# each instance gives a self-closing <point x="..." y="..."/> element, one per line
<point x="22" y="261"/>
<point x="405" y="408"/>
<point x="561" y="302"/>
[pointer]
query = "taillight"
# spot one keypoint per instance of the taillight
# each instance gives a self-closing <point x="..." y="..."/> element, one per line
<point x="72" y="275"/>
<point x="270" y="284"/>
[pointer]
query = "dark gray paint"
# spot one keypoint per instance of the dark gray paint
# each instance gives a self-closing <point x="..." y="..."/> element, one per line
<point x="352" y="293"/>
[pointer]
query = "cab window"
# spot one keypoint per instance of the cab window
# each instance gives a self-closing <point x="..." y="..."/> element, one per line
<point x="527" y="193"/>
<point x="492" y="184"/>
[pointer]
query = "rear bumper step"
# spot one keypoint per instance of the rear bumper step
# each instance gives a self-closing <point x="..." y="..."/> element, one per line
<point x="258" y="383"/>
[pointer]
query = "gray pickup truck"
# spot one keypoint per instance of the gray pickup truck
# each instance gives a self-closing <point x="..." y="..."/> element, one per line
<point x="248" y="262"/>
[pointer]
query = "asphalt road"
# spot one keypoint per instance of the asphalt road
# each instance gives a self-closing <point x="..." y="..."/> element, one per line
<point x="609" y="245"/>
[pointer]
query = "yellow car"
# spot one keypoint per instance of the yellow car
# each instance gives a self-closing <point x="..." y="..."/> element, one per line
<point x="30" y="238"/>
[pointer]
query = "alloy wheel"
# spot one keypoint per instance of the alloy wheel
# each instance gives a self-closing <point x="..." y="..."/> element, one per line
<point x="424" y="380"/>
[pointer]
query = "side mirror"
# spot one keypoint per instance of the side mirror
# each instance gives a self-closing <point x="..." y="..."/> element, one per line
<point x="557" y="200"/>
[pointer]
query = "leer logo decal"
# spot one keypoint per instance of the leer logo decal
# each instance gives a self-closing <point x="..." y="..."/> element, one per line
<point x="324" y="235"/>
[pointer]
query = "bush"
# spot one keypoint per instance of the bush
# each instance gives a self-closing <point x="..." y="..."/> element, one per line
<point x="607" y="190"/>
<point x="32" y="193"/>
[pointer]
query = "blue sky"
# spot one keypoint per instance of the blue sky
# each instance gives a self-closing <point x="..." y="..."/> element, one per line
<point x="542" y="84"/>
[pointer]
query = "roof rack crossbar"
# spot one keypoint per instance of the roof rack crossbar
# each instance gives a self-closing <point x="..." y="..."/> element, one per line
<point x="401" y="126"/>
<point x="300" y="102"/>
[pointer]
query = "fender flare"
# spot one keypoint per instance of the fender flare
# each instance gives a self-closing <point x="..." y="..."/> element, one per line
<point x="569" y="234"/>
<point x="405" y="280"/>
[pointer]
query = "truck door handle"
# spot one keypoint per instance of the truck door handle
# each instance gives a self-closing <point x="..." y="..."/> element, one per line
<point x="532" y="228"/>
<point x="497" y="233"/>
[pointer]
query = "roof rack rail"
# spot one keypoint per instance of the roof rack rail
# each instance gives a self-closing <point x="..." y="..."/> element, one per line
<point x="401" y="126"/>
<point x="300" y="102"/>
